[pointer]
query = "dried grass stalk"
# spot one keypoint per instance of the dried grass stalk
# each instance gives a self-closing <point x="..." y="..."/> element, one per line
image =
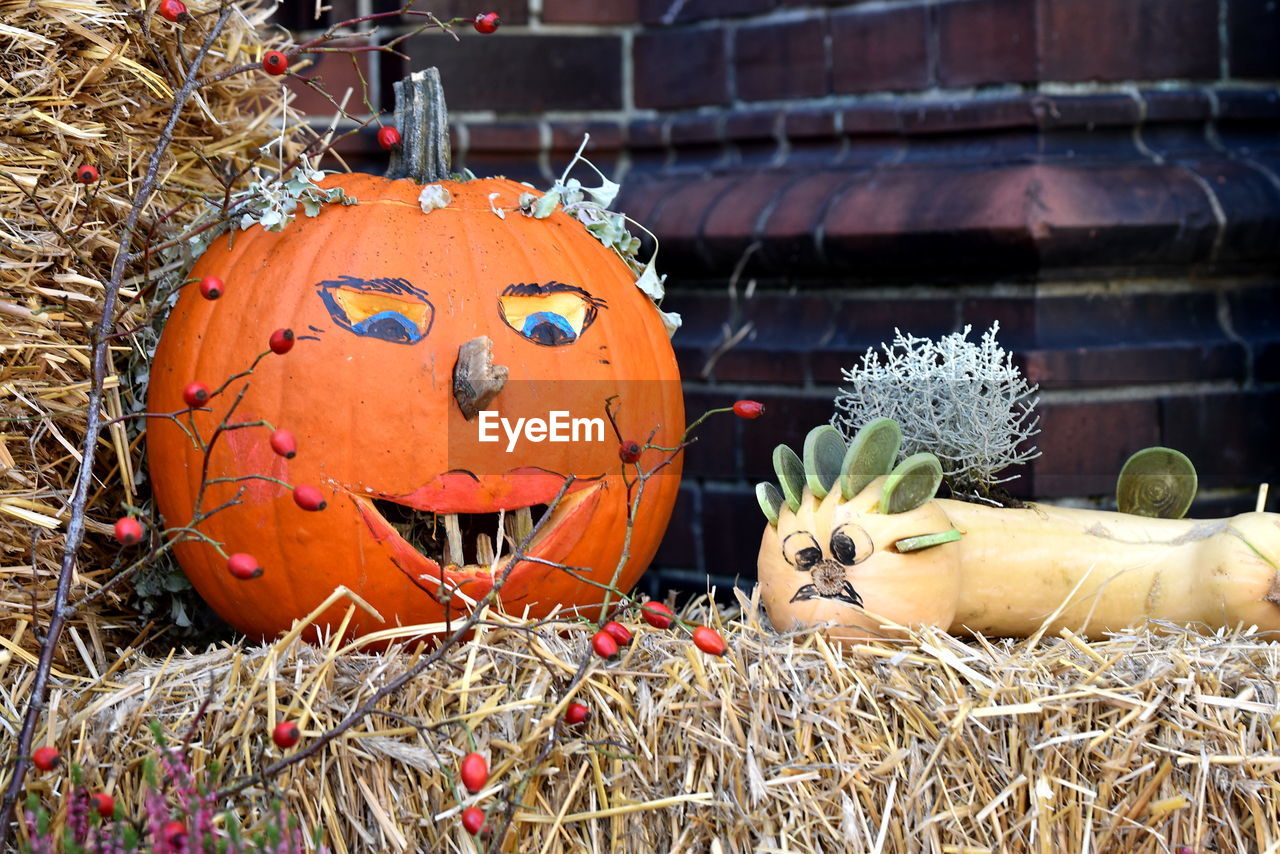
<point x="1151" y="740"/>
<point x="81" y="81"/>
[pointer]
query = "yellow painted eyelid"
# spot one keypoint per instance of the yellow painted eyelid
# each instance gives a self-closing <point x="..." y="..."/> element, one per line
<point x="361" y="304"/>
<point x="571" y="306"/>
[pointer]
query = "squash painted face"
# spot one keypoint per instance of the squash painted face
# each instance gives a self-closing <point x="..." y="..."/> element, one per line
<point x="850" y="563"/>
<point x="418" y="336"/>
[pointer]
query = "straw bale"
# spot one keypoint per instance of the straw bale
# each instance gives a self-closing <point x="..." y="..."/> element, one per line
<point x="1147" y="741"/>
<point x="80" y="82"/>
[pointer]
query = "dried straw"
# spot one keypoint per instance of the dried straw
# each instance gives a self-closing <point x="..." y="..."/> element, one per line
<point x="1145" y="742"/>
<point x="82" y="82"/>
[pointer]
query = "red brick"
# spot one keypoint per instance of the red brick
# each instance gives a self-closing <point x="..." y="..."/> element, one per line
<point x="968" y="114"/>
<point x="1084" y="445"/>
<point x="667" y="12"/>
<point x="1132" y="40"/>
<point x="789" y="234"/>
<point x="731" y="224"/>
<point x="986" y="41"/>
<point x="567" y="136"/>
<point x="810" y="124"/>
<point x="871" y="119"/>
<point x="1224" y="435"/>
<point x="525" y="73"/>
<point x="521" y="137"/>
<point x="590" y="11"/>
<point x="879" y="50"/>
<point x="1253" y="33"/>
<point x="778" y="61"/>
<point x="511" y="12"/>
<point x="961" y="219"/>
<point x="754" y="125"/>
<point x="678" y="218"/>
<point x="1102" y="367"/>
<point x="333" y="74"/>
<point x="680" y="69"/>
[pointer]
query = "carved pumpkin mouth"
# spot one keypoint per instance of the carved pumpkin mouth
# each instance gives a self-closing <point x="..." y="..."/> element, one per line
<point x="444" y="550"/>
<point x="471" y="540"/>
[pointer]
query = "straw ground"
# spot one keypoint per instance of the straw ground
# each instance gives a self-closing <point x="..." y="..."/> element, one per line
<point x="1150" y="741"/>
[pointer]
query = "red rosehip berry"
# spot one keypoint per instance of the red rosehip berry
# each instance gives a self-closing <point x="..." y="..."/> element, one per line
<point x="175" y="834"/>
<point x="281" y="341"/>
<point x="473" y="820"/>
<point x="128" y="531"/>
<point x="474" y="772"/>
<point x="286" y="734"/>
<point x="657" y="615"/>
<point x="487" y="22"/>
<point x="275" y="62"/>
<point x="618" y="632"/>
<point x="103" y="804"/>
<point x="576" y="713"/>
<point x="86" y="174"/>
<point x="46" y="758"/>
<point x="211" y="287"/>
<point x="283" y="443"/>
<point x="748" y="409"/>
<point x="388" y="137"/>
<point x="629" y="452"/>
<point x="604" y="644"/>
<point x="308" y="497"/>
<point x="173" y="10"/>
<point x="709" y="641"/>
<point x="243" y="566"/>
<point x="195" y="394"/>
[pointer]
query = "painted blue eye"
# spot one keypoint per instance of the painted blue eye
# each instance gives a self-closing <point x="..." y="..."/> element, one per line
<point x="389" y="326"/>
<point x="548" y="327"/>
<point x="387" y="309"/>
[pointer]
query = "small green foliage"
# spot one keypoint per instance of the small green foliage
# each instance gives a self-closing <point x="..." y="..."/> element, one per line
<point x="912" y="483"/>
<point x="1157" y="482"/>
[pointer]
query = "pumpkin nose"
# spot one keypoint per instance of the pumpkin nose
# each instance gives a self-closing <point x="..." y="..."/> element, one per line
<point x="476" y="379"/>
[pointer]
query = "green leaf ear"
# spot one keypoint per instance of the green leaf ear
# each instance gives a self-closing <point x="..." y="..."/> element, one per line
<point x="914" y="482"/>
<point x="870" y="454"/>
<point x="770" y="501"/>
<point x="790" y="475"/>
<point x="1157" y="482"/>
<point x="823" y="455"/>
<point x="926" y="541"/>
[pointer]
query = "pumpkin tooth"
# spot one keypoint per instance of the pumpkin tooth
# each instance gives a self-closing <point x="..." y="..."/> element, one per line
<point x="484" y="550"/>
<point x="453" y="532"/>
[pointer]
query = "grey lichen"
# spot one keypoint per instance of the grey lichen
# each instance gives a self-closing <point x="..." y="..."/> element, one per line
<point x="964" y="402"/>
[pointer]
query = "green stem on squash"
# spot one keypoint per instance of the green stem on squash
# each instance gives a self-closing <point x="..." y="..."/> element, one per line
<point x="423" y="121"/>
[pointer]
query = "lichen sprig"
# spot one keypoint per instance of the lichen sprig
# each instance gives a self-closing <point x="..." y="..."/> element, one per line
<point x="965" y="402"/>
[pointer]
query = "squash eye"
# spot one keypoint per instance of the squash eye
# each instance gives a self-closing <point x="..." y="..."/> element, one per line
<point x="389" y="309"/>
<point x="851" y="544"/>
<point x="801" y="550"/>
<point x="553" y="315"/>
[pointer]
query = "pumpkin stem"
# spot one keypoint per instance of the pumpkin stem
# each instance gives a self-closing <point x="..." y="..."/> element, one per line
<point x="423" y="121"/>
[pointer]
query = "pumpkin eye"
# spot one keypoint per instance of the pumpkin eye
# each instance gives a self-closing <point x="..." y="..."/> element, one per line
<point x="553" y="315"/>
<point x="801" y="550"/>
<point x="851" y="544"/>
<point x="389" y="309"/>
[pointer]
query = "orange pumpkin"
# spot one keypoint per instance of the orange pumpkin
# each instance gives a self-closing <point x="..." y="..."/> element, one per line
<point x="384" y="301"/>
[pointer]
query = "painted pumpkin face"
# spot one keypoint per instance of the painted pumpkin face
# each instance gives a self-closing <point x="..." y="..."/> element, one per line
<point x="855" y="542"/>
<point x="430" y="346"/>
<point x="835" y="561"/>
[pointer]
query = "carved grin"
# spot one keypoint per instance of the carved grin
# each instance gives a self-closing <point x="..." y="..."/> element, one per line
<point x="448" y="548"/>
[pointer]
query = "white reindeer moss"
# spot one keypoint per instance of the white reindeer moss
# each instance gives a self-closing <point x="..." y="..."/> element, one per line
<point x="964" y="402"/>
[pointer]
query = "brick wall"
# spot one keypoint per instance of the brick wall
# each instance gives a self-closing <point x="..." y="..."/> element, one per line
<point x="1100" y="176"/>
